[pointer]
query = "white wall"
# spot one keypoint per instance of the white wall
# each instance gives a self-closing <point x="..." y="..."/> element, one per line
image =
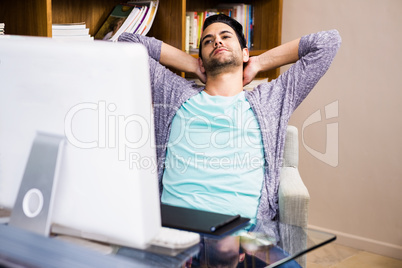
<point x="356" y="187"/>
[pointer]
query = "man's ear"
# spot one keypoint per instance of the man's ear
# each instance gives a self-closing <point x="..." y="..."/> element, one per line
<point x="242" y="256"/>
<point x="201" y="64"/>
<point x="246" y="54"/>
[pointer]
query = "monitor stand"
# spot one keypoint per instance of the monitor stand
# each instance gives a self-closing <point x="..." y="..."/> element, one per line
<point x="33" y="206"/>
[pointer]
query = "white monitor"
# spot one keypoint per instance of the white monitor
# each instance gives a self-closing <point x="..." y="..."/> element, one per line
<point x="95" y="95"/>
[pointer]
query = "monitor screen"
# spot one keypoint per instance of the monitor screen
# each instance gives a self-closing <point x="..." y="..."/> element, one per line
<point x="96" y="96"/>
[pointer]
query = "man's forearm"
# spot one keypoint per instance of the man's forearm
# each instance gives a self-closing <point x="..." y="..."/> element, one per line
<point x="177" y="59"/>
<point x="279" y="56"/>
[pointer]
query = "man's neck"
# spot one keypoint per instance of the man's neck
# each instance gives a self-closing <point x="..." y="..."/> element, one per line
<point x="225" y="84"/>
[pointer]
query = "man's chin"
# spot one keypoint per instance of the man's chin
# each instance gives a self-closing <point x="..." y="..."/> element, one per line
<point x="221" y="63"/>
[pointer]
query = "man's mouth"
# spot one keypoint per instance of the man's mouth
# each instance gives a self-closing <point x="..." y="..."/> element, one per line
<point x="218" y="50"/>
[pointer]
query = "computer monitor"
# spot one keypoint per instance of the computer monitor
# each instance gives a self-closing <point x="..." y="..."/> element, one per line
<point x="94" y="96"/>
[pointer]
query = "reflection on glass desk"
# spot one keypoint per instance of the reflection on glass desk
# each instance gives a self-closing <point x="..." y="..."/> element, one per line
<point x="266" y="244"/>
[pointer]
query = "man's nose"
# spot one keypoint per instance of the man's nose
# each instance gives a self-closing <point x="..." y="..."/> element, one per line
<point x="218" y="41"/>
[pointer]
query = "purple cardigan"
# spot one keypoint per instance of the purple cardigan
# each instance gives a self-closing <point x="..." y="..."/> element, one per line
<point x="272" y="103"/>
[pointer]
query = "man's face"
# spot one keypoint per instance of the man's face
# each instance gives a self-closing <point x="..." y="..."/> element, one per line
<point x="221" y="50"/>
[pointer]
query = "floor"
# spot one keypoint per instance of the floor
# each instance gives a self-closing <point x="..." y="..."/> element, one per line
<point x="338" y="256"/>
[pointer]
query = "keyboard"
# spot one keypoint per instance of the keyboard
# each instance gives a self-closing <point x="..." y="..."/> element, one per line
<point x="175" y="239"/>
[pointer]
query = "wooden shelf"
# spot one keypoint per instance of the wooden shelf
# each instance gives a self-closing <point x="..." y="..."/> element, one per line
<point x="35" y="17"/>
<point x="27" y="17"/>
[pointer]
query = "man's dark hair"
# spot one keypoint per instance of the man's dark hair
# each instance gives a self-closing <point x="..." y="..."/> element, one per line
<point x="234" y="24"/>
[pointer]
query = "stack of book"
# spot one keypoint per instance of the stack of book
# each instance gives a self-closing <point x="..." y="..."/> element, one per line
<point x="132" y="17"/>
<point x="71" y="31"/>
<point x="2" y="25"/>
<point x="195" y="19"/>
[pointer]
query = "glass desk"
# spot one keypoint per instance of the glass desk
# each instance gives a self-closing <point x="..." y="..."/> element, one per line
<point x="267" y="244"/>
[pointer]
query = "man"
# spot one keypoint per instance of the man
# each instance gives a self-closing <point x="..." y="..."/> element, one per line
<point x="220" y="148"/>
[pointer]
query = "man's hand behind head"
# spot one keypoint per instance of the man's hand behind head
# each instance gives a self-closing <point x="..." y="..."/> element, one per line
<point x="251" y="69"/>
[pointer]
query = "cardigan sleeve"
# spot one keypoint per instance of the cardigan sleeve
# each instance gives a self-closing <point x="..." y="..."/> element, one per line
<point x="153" y="45"/>
<point x="284" y="94"/>
<point x="316" y="53"/>
<point x="274" y="102"/>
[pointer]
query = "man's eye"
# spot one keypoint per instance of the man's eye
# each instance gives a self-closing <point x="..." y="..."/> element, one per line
<point x="206" y="42"/>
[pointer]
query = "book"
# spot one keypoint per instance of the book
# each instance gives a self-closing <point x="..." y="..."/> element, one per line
<point x="192" y="29"/>
<point x="2" y="26"/>
<point x="132" y="17"/>
<point x="71" y="31"/>
<point x="148" y="18"/>
<point x="138" y="21"/>
<point x="73" y="37"/>
<point x="65" y="26"/>
<point x="115" y="21"/>
<point x="187" y="40"/>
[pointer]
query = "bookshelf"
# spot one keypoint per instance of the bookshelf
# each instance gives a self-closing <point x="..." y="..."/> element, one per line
<point x="35" y="17"/>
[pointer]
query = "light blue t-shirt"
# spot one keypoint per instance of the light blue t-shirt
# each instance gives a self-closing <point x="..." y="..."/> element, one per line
<point x="214" y="158"/>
